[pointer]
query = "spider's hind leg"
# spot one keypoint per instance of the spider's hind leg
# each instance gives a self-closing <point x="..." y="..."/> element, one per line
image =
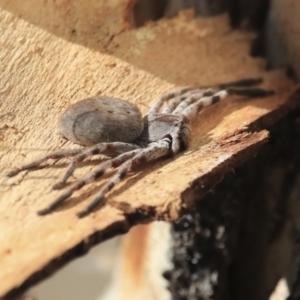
<point x="91" y="177"/>
<point x="109" y="149"/>
<point x="36" y="163"/>
<point x="154" y="151"/>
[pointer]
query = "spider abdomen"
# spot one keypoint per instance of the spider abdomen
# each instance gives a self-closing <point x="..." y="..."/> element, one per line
<point x="101" y="119"/>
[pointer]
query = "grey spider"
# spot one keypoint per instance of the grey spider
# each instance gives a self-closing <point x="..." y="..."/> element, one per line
<point x="116" y="128"/>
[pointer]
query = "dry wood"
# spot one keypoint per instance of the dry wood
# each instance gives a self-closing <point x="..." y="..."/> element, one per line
<point x="42" y="73"/>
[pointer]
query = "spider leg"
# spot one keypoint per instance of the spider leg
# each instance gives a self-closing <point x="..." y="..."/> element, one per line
<point x="155" y="108"/>
<point x="184" y="101"/>
<point x="154" y="151"/>
<point x="192" y="110"/>
<point x="54" y="155"/>
<point x="91" y="177"/>
<point x="190" y="100"/>
<point x="240" y="83"/>
<point x="251" y="93"/>
<point x="102" y="148"/>
<point x="173" y="103"/>
<point x="178" y="104"/>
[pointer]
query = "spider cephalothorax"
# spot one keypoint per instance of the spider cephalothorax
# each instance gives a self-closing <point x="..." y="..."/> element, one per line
<point x="115" y="128"/>
<point x="175" y="128"/>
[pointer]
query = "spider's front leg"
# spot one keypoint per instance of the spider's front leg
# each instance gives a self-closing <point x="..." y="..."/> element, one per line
<point x="183" y="97"/>
<point x="192" y="110"/>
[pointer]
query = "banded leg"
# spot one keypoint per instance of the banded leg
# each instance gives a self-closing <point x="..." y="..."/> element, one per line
<point x="240" y="83"/>
<point x="180" y="91"/>
<point x="190" y="100"/>
<point x="173" y="103"/>
<point x="155" y="108"/>
<point x="155" y="151"/>
<point x="91" y="177"/>
<point x="109" y="149"/>
<point x="251" y="93"/>
<point x="226" y="86"/>
<point x="192" y="110"/>
<point x="54" y="155"/>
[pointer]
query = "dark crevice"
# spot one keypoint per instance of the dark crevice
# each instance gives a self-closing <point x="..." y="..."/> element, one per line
<point x="246" y="13"/>
<point x="221" y="246"/>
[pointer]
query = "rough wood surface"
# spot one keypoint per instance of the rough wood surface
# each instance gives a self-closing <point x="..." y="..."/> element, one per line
<point x="46" y="64"/>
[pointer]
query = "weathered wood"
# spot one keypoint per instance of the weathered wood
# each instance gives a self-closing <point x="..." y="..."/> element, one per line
<point x="42" y="73"/>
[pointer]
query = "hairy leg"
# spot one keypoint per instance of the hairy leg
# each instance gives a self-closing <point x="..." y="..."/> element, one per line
<point x="192" y="110"/>
<point x="174" y="102"/>
<point x="177" y="101"/>
<point x="90" y="178"/>
<point x="155" y="108"/>
<point x="154" y="151"/>
<point x="109" y="149"/>
<point x="190" y="100"/>
<point x="240" y="83"/>
<point x="36" y="163"/>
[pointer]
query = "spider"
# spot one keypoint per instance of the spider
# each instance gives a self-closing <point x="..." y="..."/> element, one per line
<point x="116" y="128"/>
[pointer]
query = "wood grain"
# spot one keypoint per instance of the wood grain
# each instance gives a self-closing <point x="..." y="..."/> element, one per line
<point x="54" y="56"/>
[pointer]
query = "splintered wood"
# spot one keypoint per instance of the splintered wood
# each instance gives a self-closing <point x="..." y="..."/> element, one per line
<point x="45" y="68"/>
